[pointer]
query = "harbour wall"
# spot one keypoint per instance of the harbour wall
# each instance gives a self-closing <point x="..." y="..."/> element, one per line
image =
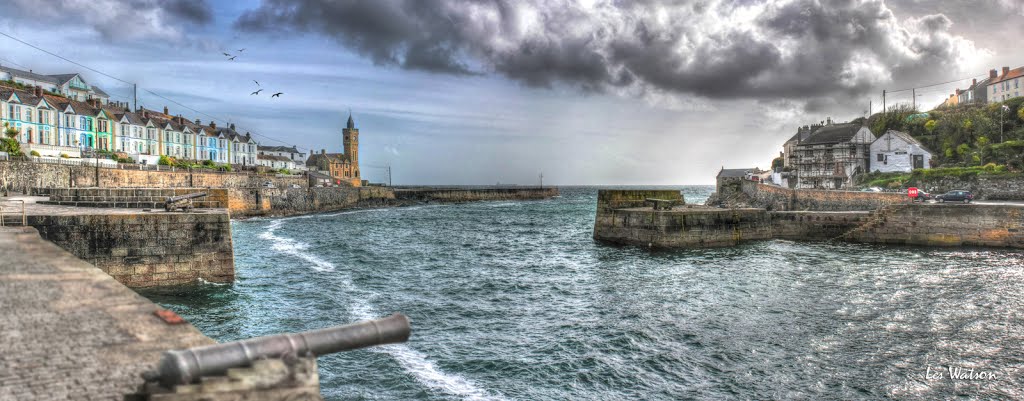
<point x="773" y="197"/>
<point x="22" y="174"/>
<point x="141" y="249"/>
<point x="456" y="195"/>
<point x="898" y="223"/>
<point x="944" y="225"/>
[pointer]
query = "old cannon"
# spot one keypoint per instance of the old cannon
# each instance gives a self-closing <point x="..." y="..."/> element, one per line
<point x="187" y="366"/>
<point x="183" y="202"/>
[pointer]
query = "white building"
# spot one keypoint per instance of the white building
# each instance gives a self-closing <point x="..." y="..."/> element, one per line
<point x="275" y="162"/>
<point x="70" y="85"/>
<point x="1009" y="84"/>
<point x="898" y="152"/>
<point x="832" y="156"/>
<point x="291" y="153"/>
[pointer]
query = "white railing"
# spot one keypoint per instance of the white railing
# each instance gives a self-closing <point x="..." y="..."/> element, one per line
<point x="10" y="210"/>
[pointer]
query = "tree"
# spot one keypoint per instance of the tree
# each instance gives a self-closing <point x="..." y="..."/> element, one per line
<point x="11" y="132"/>
<point x="1020" y="113"/>
<point x="930" y="125"/>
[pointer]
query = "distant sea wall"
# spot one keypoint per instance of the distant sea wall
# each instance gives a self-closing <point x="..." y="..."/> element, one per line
<point x="288" y="201"/>
<point x="455" y="195"/>
<point x="146" y="249"/>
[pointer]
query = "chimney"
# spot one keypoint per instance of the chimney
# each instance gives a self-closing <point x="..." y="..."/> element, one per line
<point x="38" y="91"/>
<point x="213" y="125"/>
<point x="200" y="123"/>
<point x="323" y="151"/>
<point x="974" y="82"/>
<point x="992" y="74"/>
<point x="145" y="115"/>
<point x="1006" y="70"/>
<point x="165" y="110"/>
<point x="232" y="126"/>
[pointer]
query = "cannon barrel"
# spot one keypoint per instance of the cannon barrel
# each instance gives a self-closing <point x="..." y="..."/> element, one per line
<point x="187" y="366"/>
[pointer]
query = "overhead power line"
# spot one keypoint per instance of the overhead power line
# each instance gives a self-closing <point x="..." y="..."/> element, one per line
<point x="214" y="118"/>
<point x="937" y="84"/>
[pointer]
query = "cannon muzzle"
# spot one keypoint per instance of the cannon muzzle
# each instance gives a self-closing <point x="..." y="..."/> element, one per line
<point x="187" y="366"/>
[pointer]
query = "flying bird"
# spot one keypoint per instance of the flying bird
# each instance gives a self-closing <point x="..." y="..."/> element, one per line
<point x="225" y="54"/>
<point x="232" y="58"/>
<point x="257" y="82"/>
<point x="278" y="94"/>
<point x="241" y="50"/>
<point x="257" y="92"/>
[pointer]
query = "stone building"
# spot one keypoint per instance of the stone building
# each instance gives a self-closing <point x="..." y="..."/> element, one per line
<point x="897" y="151"/>
<point x="832" y="155"/>
<point x="342" y="167"/>
<point x="789" y="148"/>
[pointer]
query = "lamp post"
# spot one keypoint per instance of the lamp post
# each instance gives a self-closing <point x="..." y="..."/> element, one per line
<point x="1002" y="111"/>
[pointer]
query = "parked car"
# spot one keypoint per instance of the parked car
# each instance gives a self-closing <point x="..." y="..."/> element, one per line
<point x="956" y="196"/>
<point x="922" y="196"/>
<point x="872" y="189"/>
<point x="268" y="184"/>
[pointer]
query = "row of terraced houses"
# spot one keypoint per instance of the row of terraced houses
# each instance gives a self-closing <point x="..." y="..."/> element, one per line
<point x="64" y="116"/>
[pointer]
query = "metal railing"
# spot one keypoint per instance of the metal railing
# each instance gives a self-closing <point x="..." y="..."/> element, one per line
<point x="6" y="210"/>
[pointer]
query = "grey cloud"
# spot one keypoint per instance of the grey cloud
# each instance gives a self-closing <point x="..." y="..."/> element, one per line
<point x="716" y="49"/>
<point x="117" y="20"/>
<point x="195" y="11"/>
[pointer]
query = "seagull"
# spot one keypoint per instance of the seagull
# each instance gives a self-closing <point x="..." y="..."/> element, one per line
<point x="257" y="92"/>
<point x="278" y="94"/>
<point x="225" y="54"/>
<point x="257" y="82"/>
<point x="241" y="50"/>
<point x="232" y="58"/>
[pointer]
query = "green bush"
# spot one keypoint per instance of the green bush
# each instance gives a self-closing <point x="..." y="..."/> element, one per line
<point x="10" y="145"/>
<point x="34" y="153"/>
<point x="64" y="156"/>
<point x="164" y="161"/>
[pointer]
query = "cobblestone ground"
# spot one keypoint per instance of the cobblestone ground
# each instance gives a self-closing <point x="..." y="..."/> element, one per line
<point x="68" y="331"/>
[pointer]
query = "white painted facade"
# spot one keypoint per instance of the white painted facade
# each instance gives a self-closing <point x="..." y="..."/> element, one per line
<point x="898" y="152"/>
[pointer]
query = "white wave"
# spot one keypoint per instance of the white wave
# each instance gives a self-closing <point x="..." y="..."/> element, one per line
<point x="204" y="282"/>
<point x="294" y="248"/>
<point x="414" y="362"/>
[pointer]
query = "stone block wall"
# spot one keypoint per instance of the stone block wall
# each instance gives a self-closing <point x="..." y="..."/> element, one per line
<point x="984" y="187"/>
<point x="682" y="228"/>
<point x="147" y="249"/>
<point x="815" y="225"/>
<point x="620" y="199"/>
<point x="944" y="225"/>
<point x="135" y="197"/>
<point x="774" y="197"/>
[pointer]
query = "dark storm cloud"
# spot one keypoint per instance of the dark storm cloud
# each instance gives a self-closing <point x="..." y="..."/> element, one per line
<point x="117" y="20"/>
<point x="717" y="49"/>
<point x="195" y="11"/>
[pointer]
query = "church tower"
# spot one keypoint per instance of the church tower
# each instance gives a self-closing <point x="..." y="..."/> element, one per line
<point x="351" y="142"/>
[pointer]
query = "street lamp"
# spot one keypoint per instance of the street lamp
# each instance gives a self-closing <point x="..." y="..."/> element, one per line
<point x="1002" y="111"/>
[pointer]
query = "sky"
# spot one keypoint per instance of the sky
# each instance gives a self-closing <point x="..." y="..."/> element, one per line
<point x="585" y="92"/>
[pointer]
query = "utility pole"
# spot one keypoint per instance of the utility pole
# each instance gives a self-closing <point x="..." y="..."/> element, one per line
<point x="869" y="107"/>
<point x="135" y="97"/>
<point x="883" y="101"/>
<point x="541" y="176"/>
<point x="1002" y="110"/>
<point x="913" y="94"/>
<point x="389" y="175"/>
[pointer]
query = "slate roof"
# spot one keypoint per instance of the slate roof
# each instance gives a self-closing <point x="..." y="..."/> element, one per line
<point x="274" y="158"/>
<point x="906" y="137"/>
<point x="99" y="91"/>
<point x="835" y="133"/>
<point x="62" y="79"/>
<point x="31" y="75"/>
<point x="315" y="157"/>
<point x="801" y="134"/>
<point x="292" y="149"/>
<point x="735" y="172"/>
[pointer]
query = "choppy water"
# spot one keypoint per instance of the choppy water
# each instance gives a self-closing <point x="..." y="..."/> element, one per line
<point x="514" y="300"/>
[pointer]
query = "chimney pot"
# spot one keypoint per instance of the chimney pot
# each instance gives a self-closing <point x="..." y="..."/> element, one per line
<point x="165" y="110"/>
<point x="1006" y="70"/>
<point x="232" y="126"/>
<point x="198" y="122"/>
<point x="323" y="151"/>
<point x="213" y="125"/>
<point x="992" y="73"/>
<point x="974" y="81"/>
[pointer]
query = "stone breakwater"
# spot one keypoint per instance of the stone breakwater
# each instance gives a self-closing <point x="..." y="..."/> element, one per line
<point x="898" y="223"/>
<point x="456" y="195"/>
<point x="143" y="249"/>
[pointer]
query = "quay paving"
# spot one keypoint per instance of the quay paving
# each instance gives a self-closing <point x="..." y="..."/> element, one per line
<point x="33" y="208"/>
<point x="70" y="331"/>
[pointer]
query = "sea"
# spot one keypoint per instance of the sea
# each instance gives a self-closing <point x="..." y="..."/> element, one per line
<point x="514" y="300"/>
